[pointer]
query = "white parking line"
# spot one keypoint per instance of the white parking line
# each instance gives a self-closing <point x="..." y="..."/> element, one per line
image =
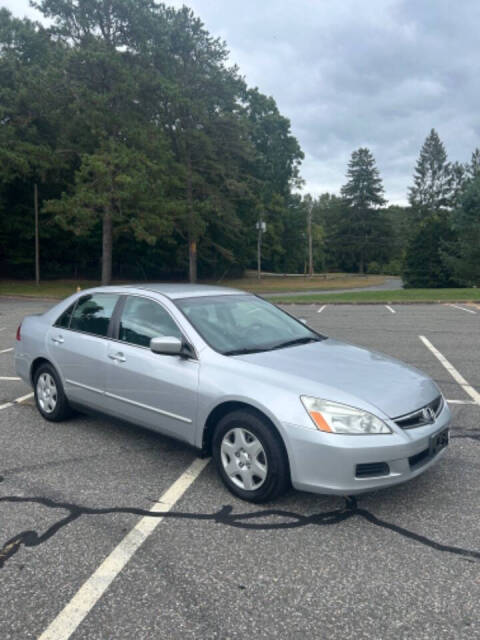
<point x="92" y="590"/>
<point x="9" y="378"/>
<point x="321" y="308"/>
<point x="16" y="401"/>
<point x="452" y="371"/>
<point x="6" y="350"/>
<point x="455" y="306"/>
<point x="461" y="402"/>
<point x="390" y="309"/>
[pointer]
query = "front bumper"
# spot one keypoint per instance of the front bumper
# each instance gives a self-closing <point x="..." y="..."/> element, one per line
<point x="327" y="463"/>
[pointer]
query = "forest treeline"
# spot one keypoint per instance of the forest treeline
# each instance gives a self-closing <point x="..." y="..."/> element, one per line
<point x="151" y="158"/>
<point x="432" y="242"/>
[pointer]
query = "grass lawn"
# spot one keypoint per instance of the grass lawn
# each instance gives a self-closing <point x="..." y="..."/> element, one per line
<point x="48" y="289"/>
<point x="62" y="288"/>
<point x="386" y="297"/>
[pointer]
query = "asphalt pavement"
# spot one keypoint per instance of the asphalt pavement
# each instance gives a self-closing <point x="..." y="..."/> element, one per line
<point x="397" y="563"/>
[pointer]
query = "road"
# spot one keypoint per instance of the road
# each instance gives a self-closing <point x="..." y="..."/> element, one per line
<point x="389" y="285"/>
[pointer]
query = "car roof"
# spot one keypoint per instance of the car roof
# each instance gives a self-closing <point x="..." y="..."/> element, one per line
<point x="173" y="290"/>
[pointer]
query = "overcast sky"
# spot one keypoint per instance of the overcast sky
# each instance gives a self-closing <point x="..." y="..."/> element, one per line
<point x="351" y="73"/>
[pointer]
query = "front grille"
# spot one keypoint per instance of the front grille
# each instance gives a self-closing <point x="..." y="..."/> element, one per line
<point x="420" y="417"/>
<point x="371" y="469"/>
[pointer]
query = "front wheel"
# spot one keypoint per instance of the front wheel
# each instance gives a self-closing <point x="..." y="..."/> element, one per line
<point x="250" y="458"/>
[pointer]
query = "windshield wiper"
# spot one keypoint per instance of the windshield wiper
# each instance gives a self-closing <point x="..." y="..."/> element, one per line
<point x="291" y="343"/>
<point x="280" y="345"/>
<point x="238" y="352"/>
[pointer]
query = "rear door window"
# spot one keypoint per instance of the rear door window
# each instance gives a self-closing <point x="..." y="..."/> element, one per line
<point x="93" y="312"/>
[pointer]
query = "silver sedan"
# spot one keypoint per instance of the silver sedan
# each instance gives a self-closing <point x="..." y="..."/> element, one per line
<point x="274" y="402"/>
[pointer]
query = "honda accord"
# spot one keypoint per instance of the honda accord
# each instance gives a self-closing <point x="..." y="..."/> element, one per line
<point x="273" y="401"/>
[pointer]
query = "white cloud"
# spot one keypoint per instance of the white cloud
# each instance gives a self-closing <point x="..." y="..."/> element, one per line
<point x="379" y="74"/>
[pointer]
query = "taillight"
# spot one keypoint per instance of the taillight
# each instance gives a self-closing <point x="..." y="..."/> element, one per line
<point x="19" y="335"/>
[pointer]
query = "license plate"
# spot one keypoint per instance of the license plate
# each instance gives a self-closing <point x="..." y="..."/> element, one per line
<point x="438" y="442"/>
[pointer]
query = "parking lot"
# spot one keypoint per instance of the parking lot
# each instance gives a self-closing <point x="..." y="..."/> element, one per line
<point x="397" y="563"/>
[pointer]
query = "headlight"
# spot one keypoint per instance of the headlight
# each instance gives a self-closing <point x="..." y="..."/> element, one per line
<point x="340" y="418"/>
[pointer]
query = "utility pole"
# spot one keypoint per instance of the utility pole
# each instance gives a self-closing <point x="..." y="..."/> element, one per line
<point x="309" y="232"/>
<point x="37" y="248"/>
<point x="261" y="228"/>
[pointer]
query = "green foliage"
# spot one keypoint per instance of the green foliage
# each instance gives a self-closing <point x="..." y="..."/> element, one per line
<point x="363" y="228"/>
<point x="374" y="267"/>
<point x="122" y="182"/>
<point x="459" y="179"/>
<point x="139" y="135"/>
<point x="393" y="268"/>
<point x="473" y="168"/>
<point x="432" y="180"/>
<point x="364" y="189"/>
<point x="153" y="157"/>
<point x="463" y="254"/>
<point x="363" y="233"/>
<point x="424" y="266"/>
<point x="442" y="250"/>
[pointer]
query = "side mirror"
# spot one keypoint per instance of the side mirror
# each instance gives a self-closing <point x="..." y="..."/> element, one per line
<point x="303" y="320"/>
<point x="168" y="345"/>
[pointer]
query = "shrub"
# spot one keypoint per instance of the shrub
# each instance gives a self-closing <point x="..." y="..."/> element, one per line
<point x="424" y="267"/>
<point x="393" y="268"/>
<point x="373" y="267"/>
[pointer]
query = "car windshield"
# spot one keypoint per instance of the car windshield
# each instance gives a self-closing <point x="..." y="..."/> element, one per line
<point x="235" y="324"/>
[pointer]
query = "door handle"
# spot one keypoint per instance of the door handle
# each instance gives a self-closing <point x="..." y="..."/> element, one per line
<point x="58" y="339"/>
<point x="119" y="357"/>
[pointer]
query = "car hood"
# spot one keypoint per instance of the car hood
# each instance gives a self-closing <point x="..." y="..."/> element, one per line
<point x="386" y="383"/>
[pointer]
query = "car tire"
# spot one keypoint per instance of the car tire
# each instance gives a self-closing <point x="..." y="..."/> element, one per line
<point x="250" y="457"/>
<point x="50" y="397"/>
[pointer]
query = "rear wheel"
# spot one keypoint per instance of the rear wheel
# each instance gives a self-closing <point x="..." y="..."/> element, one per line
<point x="50" y="398"/>
<point x="250" y="457"/>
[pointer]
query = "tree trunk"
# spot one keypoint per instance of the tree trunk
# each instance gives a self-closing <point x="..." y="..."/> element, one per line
<point x="107" y="242"/>
<point x="192" y="239"/>
<point x="192" y="260"/>
<point x="37" y="242"/>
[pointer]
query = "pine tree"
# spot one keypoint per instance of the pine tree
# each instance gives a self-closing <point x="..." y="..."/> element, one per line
<point x="462" y="255"/>
<point x="473" y="168"/>
<point x="459" y="179"/>
<point x="362" y="196"/>
<point x="424" y="265"/>
<point x="437" y="186"/>
<point x="121" y="187"/>
<point x="432" y="180"/>
<point x="130" y="110"/>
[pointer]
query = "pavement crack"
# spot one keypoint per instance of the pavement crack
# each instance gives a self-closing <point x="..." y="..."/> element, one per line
<point x="416" y="537"/>
<point x="224" y="516"/>
<point x="473" y="434"/>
